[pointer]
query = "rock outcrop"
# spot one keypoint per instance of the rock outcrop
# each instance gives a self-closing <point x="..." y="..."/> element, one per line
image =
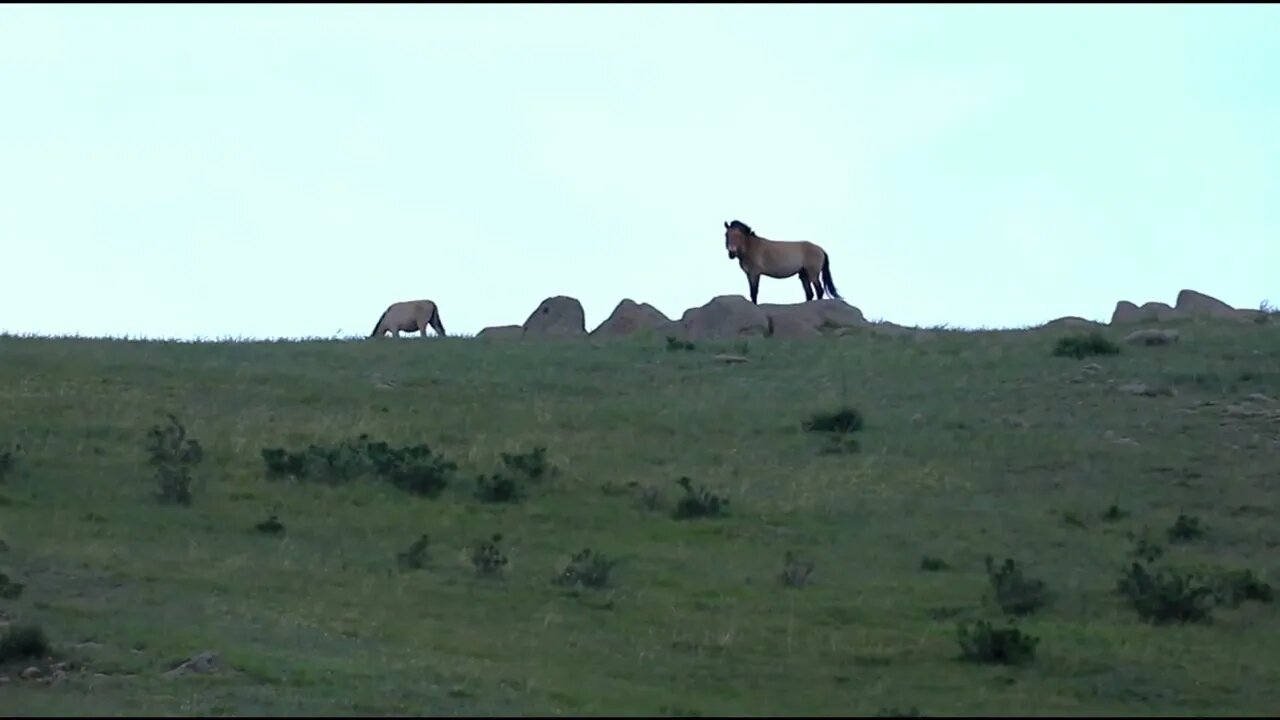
<point x="811" y="319"/>
<point x="732" y="316"/>
<point x="1189" y="305"/>
<point x="1071" y="322"/>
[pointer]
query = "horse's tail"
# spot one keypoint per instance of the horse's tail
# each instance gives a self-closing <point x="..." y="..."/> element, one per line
<point x="435" y="320"/>
<point x="381" y="317"/>
<point x="826" y="277"/>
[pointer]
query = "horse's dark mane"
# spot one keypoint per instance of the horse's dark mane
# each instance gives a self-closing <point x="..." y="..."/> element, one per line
<point x="738" y="224"/>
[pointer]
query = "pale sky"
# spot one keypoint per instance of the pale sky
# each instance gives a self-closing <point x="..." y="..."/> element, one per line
<point x="283" y="171"/>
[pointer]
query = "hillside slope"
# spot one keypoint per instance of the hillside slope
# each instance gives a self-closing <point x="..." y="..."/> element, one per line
<point x="974" y="444"/>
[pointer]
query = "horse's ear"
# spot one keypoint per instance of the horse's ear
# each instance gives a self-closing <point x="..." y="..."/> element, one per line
<point x="726" y="226"/>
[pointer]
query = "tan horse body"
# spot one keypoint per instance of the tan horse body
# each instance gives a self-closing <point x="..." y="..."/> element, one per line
<point x="779" y="259"/>
<point x="409" y="316"/>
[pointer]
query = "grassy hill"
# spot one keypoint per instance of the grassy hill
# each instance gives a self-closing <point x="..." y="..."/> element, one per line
<point x="973" y="444"/>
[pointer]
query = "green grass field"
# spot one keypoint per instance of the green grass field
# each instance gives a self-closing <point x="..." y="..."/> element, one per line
<point x="974" y="444"/>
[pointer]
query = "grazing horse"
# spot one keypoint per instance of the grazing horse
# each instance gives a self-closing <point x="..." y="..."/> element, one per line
<point x="779" y="259"/>
<point x="409" y="316"/>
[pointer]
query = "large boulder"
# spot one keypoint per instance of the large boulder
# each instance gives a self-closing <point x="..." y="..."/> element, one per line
<point x="629" y="317"/>
<point x="726" y="316"/>
<point x="1194" y="304"/>
<point x="810" y="319"/>
<point x="1190" y="302"/>
<point x="1127" y="312"/>
<point x="557" y="316"/>
<point x="501" y="332"/>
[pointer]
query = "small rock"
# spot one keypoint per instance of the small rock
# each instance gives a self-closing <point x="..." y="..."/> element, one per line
<point x="1134" y="388"/>
<point x="1119" y="439"/>
<point x="917" y="418"/>
<point x="1138" y="388"/>
<point x="205" y="662"/>
<point x="1152" y="336"/>
<point x="4" y="680"/>
<point x="731" y="358"/>
<point x="31" y="673"/>
<point x="1259" y="397"/>
<point x="1091" y="368"/>
<point x="1242" y="411"/>
<point x="61" y="667"/>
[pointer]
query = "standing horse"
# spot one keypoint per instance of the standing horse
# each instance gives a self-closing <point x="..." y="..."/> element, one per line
<point x="779" y="259"/>
<point x="409" y="316"/>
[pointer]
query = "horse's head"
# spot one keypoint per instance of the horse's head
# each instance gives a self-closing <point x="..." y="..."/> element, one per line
<point x="735" y="237"/>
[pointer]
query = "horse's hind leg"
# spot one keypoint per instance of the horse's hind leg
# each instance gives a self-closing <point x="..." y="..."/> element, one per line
<point x="805" y="283"/>
<point x="816" y="276"/>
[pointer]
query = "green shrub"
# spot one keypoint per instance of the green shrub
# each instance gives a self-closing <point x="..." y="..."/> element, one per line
<point x="844" y="420"/>
<point x="1080" y="346"/>
<point x="10" y="589"/>
<point x="675" y="344"/>
<point x="531" y="466"/>
<point x="415" y="469"/>
<point x="698" y="503"/>
<point x="270" y="526"/>
<point x="1114" y="513"/>
<point x="982" y="643"/>
<point x="585" y="569"/>
<point x="1015" y="594"/>
<point x="932" y="564"/>
<point x="497" y="489"/>
<point x="1185" y="529"/>
<point x="173" y="456"/>
<point x="487" y="558"/>
<point x="23" y="642"/>
<point x="795" y="572"/>
<point x="8" y="461"/>
<point x="1165" y="597"/>
<point x="415" y="558"/>
<point x="1233" y="587"/>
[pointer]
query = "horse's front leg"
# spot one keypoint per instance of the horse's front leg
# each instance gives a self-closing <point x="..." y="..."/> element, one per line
<point x="754" y="280"/>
